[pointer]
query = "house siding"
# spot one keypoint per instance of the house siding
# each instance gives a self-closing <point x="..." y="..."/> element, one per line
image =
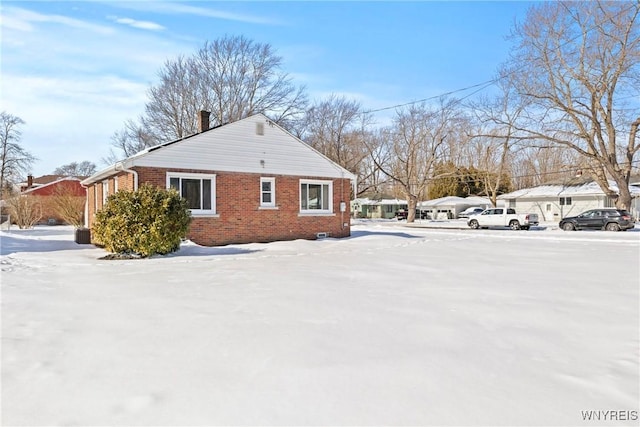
<point x="556" y="211"/>
<point x="237" y="147"/>
<point x="239" y="218"/>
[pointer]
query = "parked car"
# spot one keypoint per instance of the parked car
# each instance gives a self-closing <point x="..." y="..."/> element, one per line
<point x="402" y="214"/>
<point x="470" y="211"/>
<point x="501" y="217"/>
<point x="599" y="219"/>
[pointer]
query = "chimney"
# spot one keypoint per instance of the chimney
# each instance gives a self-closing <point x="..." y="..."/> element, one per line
<point x="203" y="120"/>
<point x="29" y="181"/>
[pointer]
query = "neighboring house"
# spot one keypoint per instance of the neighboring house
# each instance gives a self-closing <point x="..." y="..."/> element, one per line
<point x="556" y="201"/>
<point x="247" y="181"/>
<point x="377" y="208"/>
<point x="450" y="206"/>
<point x="46" y="188"/>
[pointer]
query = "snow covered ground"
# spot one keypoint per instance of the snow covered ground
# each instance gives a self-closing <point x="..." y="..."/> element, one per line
<point x="396" y="325"/>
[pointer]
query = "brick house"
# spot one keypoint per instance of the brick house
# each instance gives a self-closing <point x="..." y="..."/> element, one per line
<point x="48" y="187"/>
<point x="247" y="181"/>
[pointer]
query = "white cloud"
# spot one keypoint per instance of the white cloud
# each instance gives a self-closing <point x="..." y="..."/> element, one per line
<point x="143" y="25"/>
<point x="22" y="19"/>
<point x="173" y="8"/>
<point x="76" y="83"/>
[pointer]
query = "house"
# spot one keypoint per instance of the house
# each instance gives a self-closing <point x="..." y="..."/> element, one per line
<point x="450" y="206"/>
<point x="48" y="187"/>
<point x="552" y="202"/>
<point x="377" y="208"/>
<point x="247" y="181"/>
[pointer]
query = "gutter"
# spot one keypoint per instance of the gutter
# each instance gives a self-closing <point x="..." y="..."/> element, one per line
<point x="120" y="167"/>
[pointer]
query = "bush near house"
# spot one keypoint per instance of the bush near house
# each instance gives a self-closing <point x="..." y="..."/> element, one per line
<point x="147" y="221"/>
<point x="25" y="211"/>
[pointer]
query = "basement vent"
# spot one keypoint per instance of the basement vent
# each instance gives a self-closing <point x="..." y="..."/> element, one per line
<point x="322" y="235"/>
<point x="259" y="128"/>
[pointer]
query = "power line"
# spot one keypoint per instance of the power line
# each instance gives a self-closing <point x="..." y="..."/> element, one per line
<point x="487" y="83"/>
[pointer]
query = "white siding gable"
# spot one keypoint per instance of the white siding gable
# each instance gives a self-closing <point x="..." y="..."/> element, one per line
<point x="239" y="147"/>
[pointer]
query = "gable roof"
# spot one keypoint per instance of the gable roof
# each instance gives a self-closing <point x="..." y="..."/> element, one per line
<point x="590" y="188"/>
<point x="236" y="147"/>
<point x="61" y="178"/>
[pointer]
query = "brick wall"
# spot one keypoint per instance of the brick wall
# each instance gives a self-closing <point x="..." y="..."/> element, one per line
<point x="239" y="218"/>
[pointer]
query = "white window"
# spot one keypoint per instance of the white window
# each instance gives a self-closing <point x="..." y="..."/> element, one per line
<point x="198" y="189"/>
<point x="115" y="184"/>
<point x="268" y="192"/>
<point x="105" y="191"/>
<point x="316" y="196"/>
<point x="95" y="198"/>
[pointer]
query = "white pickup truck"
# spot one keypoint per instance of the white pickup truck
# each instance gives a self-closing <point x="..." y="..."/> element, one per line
<point x="501" y="217"/>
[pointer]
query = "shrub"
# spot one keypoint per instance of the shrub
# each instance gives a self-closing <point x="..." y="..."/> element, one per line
<point x="147" y="221"/>
<point x="25" y="211"/>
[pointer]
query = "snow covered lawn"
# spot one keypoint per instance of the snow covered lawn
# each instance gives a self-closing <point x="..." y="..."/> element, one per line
<point x="393" y="326"/>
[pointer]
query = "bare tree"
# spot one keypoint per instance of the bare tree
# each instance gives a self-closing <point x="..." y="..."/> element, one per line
<point x="25" y="211"/>
<point x="336" y="127"/>
<point x="16" y="161"/>
<point x="77" y="169"/>
<point x="67" y="205"/>
<point x="496" y="137"/>
<point x="416" y="142"/>
<point x="577" y="65"/>
<point x="232" y="77"/>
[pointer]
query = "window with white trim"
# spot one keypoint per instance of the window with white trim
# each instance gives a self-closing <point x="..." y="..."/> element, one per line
<point x="105" y="191"/>
<point x="316" y="196"/>
<point x="199" y="190"/>
<point x="267" y="192"/>
<point x="565" y="201"/>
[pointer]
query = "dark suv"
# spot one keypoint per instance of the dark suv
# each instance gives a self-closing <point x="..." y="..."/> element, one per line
<point x="599" y="219"/>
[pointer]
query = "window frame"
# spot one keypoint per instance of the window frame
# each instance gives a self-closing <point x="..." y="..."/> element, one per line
<point x="272" y="203"/>
<point x="105" y="191"/>
<point x="565" y="201"/>
<point x="201" y="177"/>
<point x="321" y="211"/>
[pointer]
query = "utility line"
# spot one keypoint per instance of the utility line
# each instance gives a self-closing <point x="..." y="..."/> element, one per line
<point x="487" y="83"/>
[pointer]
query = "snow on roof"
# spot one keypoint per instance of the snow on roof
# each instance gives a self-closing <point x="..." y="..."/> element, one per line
<point x="379" y="202"/>
<point x="587" y="189"/>
<point x="41" y="186"/>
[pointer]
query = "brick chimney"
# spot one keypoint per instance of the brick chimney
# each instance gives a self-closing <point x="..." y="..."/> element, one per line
<point x="203" y="120"/>
<point x="29" y="181"/>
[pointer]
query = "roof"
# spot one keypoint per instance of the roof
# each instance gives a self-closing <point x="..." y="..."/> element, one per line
<point x="236" y="147"/>
<point x="379" y="202"/>
<point x="455" y="201"/>
<point x="50" y="183"/>
<point x="588" y="189"/>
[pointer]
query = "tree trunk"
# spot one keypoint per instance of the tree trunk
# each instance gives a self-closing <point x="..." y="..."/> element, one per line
<point x="412" y="202"/>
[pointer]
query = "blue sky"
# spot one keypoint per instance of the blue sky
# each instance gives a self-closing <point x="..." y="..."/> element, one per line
<point x="75" y="71"/>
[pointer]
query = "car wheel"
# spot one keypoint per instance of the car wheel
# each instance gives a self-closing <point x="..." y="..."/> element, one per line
<point x="474" y="224"/>
<point x="514" y="225"/>
<point x="612" y="226"/>
<point x="567" y="226"/>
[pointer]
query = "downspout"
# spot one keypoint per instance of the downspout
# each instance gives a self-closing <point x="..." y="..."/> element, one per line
<point x="120" y="167"/>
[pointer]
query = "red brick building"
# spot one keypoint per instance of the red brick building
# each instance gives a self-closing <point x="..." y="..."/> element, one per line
<point x="49" y="187"/>
<point x="247" y="181"/>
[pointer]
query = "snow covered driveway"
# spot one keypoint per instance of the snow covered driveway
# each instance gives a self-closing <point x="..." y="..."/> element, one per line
<point x="393" y="326"/>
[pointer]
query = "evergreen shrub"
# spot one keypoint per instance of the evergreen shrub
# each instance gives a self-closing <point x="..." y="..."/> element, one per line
<point x="147" y="221"/>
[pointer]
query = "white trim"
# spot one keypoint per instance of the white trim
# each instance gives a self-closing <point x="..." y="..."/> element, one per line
<point x="316" y="182"/>
<point x="105" y="191"/>
<point x="272" y="203"/>
<point x="201" y="176"/>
